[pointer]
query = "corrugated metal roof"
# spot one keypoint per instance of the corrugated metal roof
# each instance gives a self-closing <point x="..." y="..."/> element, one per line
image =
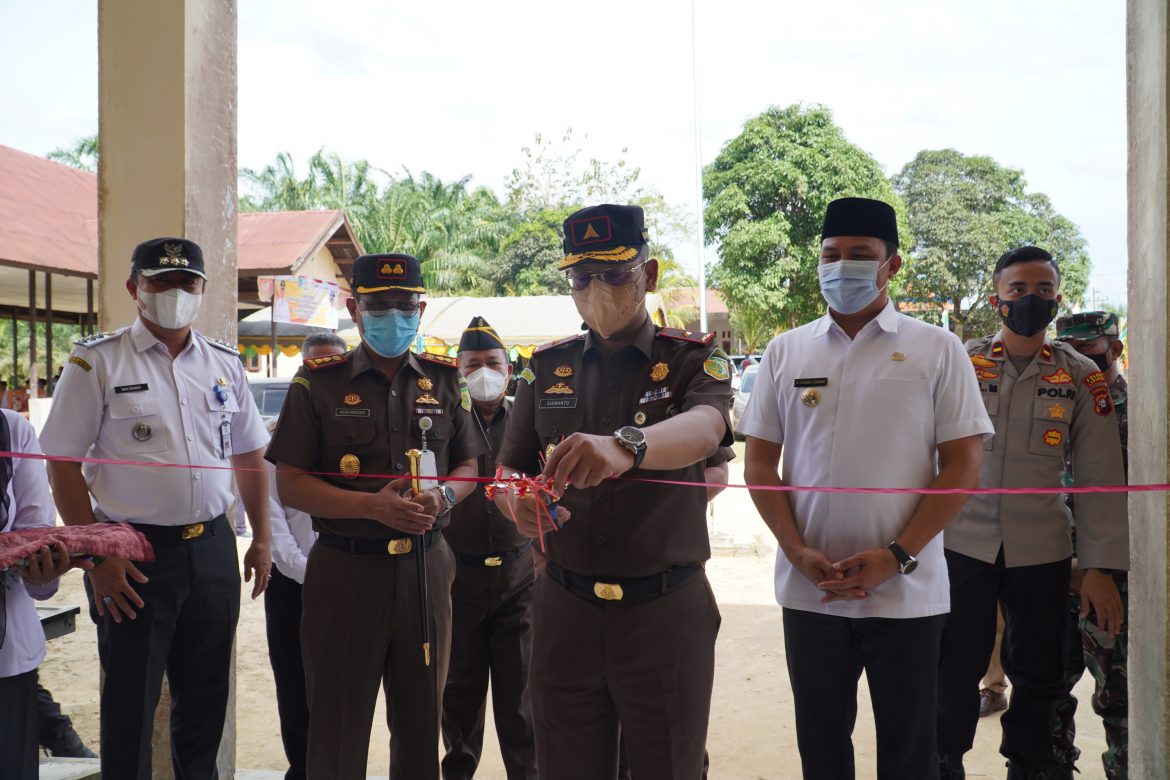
<point x="48" y="221"/>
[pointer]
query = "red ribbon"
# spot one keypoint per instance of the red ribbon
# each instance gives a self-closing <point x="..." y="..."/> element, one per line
<point x="522" y="485"/>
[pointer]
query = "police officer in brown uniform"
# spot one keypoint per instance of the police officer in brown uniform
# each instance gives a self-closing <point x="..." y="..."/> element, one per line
<point x="624" y="618"/>
<point x="491" y="600"/>
<point x="348" y="421"/>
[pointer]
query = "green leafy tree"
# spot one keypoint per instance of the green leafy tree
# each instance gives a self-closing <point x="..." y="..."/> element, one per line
<point x="83" y="154"/>
<point x="530" y="255"/>
<point x="966" y="211"/>
<point x="766" y="195"/>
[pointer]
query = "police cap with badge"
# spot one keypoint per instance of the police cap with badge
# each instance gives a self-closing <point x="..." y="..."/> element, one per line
<point x="1088" y="325"/>
<point x="162" y="255"/>
<point x="381" y="273"/>
<point x="604" y="234"/>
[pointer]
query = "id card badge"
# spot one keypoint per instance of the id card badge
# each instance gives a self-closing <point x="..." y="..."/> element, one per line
<point x="225" y="438"/>
<point x="428" y="471"/>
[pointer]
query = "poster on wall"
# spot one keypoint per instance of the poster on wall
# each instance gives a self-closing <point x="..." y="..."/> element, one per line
<point x="301" y="300"/>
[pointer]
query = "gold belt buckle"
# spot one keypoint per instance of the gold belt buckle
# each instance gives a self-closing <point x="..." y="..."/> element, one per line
<point x="193" y="531"/>
<point x="400" y="546"/>
<point x="494" y="560"/>
<point x="608" y="591"/>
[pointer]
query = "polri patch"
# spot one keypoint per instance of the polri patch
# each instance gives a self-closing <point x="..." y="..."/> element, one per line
<point x="138" y="388"/>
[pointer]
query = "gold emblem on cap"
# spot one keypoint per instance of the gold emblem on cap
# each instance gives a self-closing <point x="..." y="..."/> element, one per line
<point x="898" y="357"/>
<point x="424" y="383"/>
<point x="352" y="399"/>
<point x="590" y="232"/>
<point x="142" y="431"/>
<point x="560" y="388"/>
<point x="173" y="255"/>
<point x="350" y="466"/>
<point x="563" y="371"/>
<point x="639" y="418"/>
<point x="810" y="398"/>
<point x="659" y="372"/>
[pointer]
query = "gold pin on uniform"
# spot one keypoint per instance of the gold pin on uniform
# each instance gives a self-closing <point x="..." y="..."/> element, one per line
<point x="897" y="357"/>
<point x="350" y="466"/>
<point x="426" y="398"/>
<point x="424" y="383"/>
<point x="810" y="398"/>
<point x="142" y="431"/>
<point x="563" y="371"/>
<point x="659" y="372"/>
<point x="640" y="418"/>
<point x="352" y="399"/>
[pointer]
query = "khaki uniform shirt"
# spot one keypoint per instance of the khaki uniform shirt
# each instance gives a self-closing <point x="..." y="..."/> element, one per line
<point x="342" y="416"/>
<point x="1059" y="402"/>
<point x="477" y="526"/>
<point x="621" y="529"/>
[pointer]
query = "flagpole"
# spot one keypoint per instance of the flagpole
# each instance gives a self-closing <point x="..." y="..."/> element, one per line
<point x="698" y="177"/>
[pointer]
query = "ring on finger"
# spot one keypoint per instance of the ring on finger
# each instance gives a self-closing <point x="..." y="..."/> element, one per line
<point x="107" y="599"/>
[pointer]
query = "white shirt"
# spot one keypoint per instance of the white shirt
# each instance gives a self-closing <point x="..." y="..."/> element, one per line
<point x="29" y="505"/>
<point x="292" y="533"/>
<point x="122" y="397"/>
<point x="887" y="399"/>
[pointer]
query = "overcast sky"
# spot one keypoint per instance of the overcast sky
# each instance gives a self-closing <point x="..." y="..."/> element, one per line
<point x="458" y="87"/>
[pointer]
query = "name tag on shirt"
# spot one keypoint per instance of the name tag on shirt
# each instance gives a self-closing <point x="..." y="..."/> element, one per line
<point x="225" y="438"/>
<point x="132" y="388"/>
<point x="819" y="381"/>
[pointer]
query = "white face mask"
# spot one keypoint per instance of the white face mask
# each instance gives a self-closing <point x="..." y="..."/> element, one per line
<point x="486" y="384"/>
<point x="173" y="309"/>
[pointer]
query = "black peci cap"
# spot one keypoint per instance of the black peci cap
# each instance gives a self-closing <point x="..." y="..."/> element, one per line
<point x="479" y="335"/>
<point x="160" y="255"/>
<point x="861" y="217"/>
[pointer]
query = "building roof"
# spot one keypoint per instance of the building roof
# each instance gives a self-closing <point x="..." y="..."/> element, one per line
<point x="48" y="222"/>
<point x="684" y="297"/>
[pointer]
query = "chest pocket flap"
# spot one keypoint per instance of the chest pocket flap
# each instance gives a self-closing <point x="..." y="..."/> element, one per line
<point x="124" y="407"/>
<point x="230" y="405"/>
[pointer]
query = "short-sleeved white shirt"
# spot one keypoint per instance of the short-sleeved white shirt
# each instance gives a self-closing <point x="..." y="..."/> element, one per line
<point x="885" y="400"/>
<point x="123" y="397"/>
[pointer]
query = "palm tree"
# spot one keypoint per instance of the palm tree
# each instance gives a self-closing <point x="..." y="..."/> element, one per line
<point x="83" y="154"/>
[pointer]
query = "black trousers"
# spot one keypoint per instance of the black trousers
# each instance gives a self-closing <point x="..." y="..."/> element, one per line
<point x="1034" y="647"/>
<point x="18" y="726"/>
<point x="282" y="623"/>
<point x="826" y="655"/>
<point x="185" y="630"/>
<point x="52" y="725"/>
<point x="491" y="636"/>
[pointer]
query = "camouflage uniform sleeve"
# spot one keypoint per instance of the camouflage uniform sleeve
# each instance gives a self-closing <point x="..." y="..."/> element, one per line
<point x="1102" y="519"/>
<point x="521" y="442"/>
<point x="297" y="438"/>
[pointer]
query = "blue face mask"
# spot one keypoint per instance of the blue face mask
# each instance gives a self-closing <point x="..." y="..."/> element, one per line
<point x="391" y="334"/>
<point x="850" y="285"/>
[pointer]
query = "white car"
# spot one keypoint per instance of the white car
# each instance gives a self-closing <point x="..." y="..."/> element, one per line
<point x="740" y="399"/>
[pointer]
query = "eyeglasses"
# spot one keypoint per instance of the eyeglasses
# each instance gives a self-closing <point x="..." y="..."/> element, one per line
<point x="615" y="277"/>
<point x="381" y="307"/>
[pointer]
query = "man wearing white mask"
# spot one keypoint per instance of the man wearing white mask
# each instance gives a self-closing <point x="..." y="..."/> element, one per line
<point x="863" y="397"/>
<point x="160" y="392"/>
<point x="491" y="599"/>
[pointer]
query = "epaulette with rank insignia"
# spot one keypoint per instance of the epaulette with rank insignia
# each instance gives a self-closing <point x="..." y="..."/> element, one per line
<point x="220" y="344"/>
<point x="1046" y="352"/>
<point x="96" y="338"/>
<point x="439" y="360"/>
<point x="558" y="343"/>
<point x="686" y="335"/>
<point x="328" y="360"/>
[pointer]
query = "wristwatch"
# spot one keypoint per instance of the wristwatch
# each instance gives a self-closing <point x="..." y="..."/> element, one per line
<point x="448" y="495"/>
<point x="634" y="440"/>
<point x="906" y="562"/>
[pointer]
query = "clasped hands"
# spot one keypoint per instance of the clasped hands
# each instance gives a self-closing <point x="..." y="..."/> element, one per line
<point x="850" y="579"/>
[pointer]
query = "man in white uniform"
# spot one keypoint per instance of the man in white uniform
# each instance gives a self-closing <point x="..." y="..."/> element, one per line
<point x="160" y="392"/>
<point x="863" y="397"/>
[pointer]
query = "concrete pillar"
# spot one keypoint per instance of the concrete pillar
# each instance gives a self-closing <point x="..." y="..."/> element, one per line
<point x="1149" y="283"/>
<point x="167" y="128"/>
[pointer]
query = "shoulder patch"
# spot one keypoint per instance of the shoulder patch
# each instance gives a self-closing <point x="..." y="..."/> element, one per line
<point x="300" y="380"/>
<point x="686" y="335"/>
<point x="328" y="360"/>
<point x="96" y="338"/>
<point x="527" y="375"/>
<point x="439" y="360"/>
<point x="558" y="343"/>
<point x="717" y="367"/>
<point x="464" y="394"/>
<point x="226" y="347"/>
<point x="80" y="362"/>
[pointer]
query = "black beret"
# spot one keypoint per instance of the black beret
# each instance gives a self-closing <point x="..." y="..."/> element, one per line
<point x="604" y="234"/>
<point x="160" y="255"/>
<point x="861" y="217"/>
<point x="479" y="335"/>
<point x="378" y="273"/>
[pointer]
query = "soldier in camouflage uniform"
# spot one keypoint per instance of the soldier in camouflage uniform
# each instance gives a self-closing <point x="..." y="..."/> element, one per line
<point x="1096" y="335"/>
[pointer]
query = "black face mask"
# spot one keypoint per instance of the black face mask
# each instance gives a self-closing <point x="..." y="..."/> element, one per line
<point x="1027" y="316"/>
<point x="1103" y="362"/>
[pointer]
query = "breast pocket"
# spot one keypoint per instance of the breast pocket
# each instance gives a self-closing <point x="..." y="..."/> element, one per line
<point x="1050" y="419"/>
<point x="553" y="425"/>
<point x="899" y="409"/>
<point x="136" y="424"/>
